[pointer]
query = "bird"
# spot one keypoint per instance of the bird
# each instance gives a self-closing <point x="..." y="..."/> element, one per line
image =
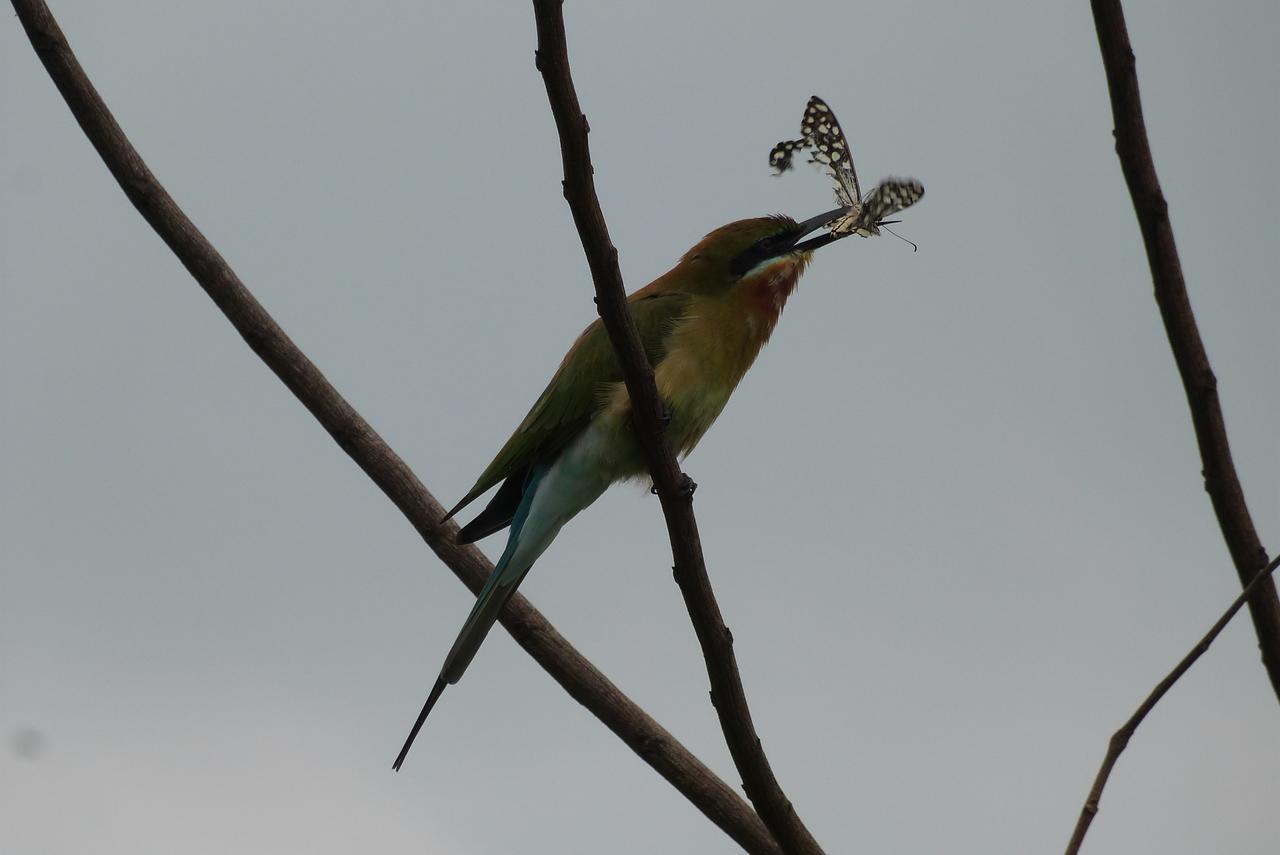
<point x="702" y="324"/>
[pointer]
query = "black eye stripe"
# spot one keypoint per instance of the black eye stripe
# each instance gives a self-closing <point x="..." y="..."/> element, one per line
<point x="763" y="248"/>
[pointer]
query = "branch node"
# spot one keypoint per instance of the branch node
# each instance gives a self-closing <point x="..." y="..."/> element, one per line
<point x="1159" y="206"/>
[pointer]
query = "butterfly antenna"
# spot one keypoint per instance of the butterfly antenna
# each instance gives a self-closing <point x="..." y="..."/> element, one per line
<point x="914" y="246"/>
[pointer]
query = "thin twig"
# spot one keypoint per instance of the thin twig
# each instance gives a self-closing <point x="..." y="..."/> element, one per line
<point x="1220" y="479"/>
<point x="716" y="799"/>
<point x="727" y="694"/>
<point x="1120" y="739"/>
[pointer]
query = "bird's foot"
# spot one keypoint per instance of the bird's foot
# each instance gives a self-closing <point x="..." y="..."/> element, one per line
<point x="664" y="420"/>
<point x="687" y="486"/>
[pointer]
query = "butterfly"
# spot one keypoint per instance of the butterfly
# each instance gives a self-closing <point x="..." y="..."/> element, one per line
<point x="821" y="133"/>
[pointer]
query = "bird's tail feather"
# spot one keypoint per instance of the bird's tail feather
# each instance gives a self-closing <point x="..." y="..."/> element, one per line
<point x="436" y="691"/>
<point x="501" y="585"/>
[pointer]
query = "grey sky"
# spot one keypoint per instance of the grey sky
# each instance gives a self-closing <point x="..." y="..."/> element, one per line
<point x="954" y="514"/>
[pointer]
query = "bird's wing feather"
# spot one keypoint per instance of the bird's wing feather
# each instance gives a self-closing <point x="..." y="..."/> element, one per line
<point x="500" y="510"/>
<point x="572" y="397"/>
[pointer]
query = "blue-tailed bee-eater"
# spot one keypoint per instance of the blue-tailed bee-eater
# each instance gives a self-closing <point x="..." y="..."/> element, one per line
<point x="702" y="323"/>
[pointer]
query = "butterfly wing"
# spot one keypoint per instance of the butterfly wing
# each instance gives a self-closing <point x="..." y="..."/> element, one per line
<point x="888" y="198"/>
<point x="831" y="149"/>
<point x="782" y="153"/>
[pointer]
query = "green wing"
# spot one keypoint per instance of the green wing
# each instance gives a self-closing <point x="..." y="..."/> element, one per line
<point x="570" y="400"/>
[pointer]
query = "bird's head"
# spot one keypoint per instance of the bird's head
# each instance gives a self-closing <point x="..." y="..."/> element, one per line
<point x="747" y="252"/>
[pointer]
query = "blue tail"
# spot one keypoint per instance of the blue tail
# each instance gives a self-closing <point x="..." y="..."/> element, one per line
<point x="502" y="583"/>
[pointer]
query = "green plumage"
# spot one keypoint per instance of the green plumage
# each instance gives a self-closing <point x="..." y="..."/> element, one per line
<point x="572" y="397"/>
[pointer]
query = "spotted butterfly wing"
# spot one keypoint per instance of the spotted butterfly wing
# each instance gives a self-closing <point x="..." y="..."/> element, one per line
<point x="889" y="197"/>
<point x="886" y="199"/>
<point x="830" y="149"/>
<point x="780" y="156"/>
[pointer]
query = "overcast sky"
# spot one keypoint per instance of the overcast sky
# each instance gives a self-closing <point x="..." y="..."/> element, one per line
<point x="954" y="515"/>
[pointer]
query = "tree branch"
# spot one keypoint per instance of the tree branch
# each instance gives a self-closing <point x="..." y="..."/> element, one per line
<point x="673" y="487"/>
<point x="1220" y="480"/>
<point x="1120" y="739"/>
<point x="717" y="800"/>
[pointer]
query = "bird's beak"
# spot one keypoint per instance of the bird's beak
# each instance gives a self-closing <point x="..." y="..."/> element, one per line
<point x="813" y="224"/>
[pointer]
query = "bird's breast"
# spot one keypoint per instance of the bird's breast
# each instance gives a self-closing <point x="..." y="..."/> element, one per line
<point x="766" y="291"/>
<point x="711" y="350"/>
<point x="708" y="352"/>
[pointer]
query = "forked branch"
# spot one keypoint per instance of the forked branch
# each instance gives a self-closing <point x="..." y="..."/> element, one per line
<point x="1120" y="739"/>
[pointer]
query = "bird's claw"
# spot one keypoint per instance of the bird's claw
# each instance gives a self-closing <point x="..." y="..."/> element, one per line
<point x="664" y="420"/>
<point x="687" y="486"/>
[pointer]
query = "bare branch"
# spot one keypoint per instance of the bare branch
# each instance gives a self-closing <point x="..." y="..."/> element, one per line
<point x="1201" y="386"/>
<point x="1120" y="739"/>
<point x="673" y="486"/>
<point x="718" y="801"/>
